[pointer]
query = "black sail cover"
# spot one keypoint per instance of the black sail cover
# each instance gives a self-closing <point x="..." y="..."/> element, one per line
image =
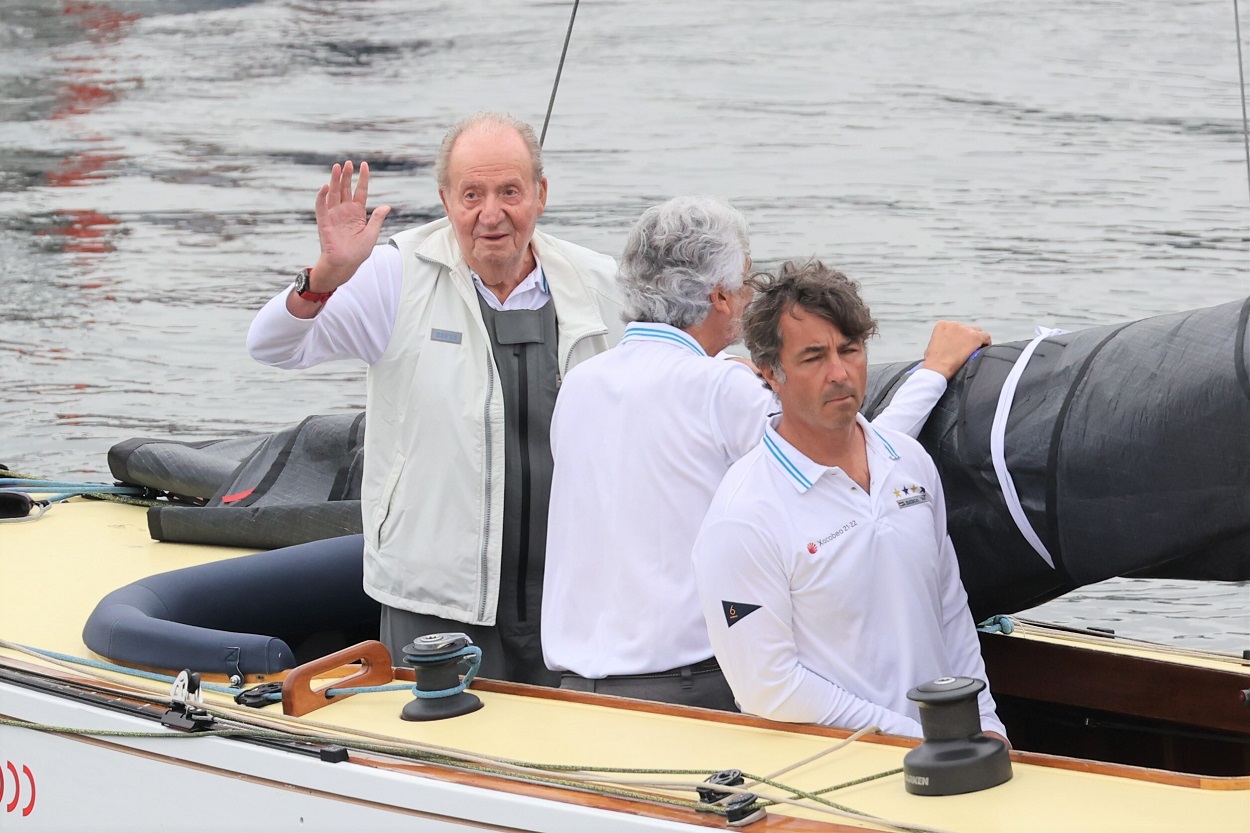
<point x="298" y="485"/>
<point x="1128" y="447"/>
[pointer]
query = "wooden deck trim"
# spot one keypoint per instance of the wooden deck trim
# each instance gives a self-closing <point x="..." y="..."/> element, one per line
<point x="1117" y="683"/>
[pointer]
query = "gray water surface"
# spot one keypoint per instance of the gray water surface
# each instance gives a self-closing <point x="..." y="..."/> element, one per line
<point x="1063" y="164"/>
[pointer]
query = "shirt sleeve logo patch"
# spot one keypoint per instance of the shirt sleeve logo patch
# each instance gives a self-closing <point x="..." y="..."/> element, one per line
<point x="735" y="612"/>
<point x="912" y="495"/>
<point x="445" y="336"/>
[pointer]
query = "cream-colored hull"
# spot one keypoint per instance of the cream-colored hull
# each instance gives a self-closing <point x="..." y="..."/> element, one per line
<point x="55" y="570"/>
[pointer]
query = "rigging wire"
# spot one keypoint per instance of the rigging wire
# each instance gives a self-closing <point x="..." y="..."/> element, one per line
<point x="565" y="51"/>
<point x="1241" y="75"/>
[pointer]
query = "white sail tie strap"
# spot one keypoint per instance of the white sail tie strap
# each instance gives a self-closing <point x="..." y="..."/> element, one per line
<point x="998" y="435"/>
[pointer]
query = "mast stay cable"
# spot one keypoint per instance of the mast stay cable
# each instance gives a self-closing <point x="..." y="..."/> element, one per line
<point x="1241" y="74"/>
<point x="565" y="51"/>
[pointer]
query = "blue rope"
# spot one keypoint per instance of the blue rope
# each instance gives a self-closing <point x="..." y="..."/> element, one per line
<point x="997" y="624"/>
<point x="472" y="653"/>
<point x="64" y="490"/>
<point x="338" y="692"/>
<point x="33" y="482"/>
<point x="221" y="689"/>
<point x="134" y="672"/>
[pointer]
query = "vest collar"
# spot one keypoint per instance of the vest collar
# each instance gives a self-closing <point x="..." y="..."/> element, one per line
<point x="577" y="310"/>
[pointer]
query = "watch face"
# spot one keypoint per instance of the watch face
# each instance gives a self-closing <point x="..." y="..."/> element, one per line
<point x="301" y="281"/>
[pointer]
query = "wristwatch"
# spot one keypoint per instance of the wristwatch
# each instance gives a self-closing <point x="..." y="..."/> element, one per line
<point x="302" y="289"/>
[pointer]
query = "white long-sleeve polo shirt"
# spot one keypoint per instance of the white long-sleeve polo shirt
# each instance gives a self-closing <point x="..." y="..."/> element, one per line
<point x="826" y="604"/>
<point x="642" y="435"/>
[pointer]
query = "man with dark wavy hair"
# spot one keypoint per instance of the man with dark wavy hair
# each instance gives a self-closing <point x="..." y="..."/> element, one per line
<point x="827" y="580"/>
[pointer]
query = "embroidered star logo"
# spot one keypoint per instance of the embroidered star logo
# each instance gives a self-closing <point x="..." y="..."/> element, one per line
<point x="906" y="490"/>
<point x="897" y="492"/>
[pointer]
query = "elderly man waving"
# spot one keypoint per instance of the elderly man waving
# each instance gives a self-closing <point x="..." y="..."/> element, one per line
<point x="467" y="324"/>
<point x="642" y="436"/>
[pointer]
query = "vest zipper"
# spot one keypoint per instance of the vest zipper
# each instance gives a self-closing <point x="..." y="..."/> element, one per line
<point x="523" y="534"/>
<point x="483" y="563"/>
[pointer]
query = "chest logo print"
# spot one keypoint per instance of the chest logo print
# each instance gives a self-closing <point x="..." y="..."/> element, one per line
<point x="735" y="612"/>
<point x="812" y="546"/>
<point x="912" y="495"/>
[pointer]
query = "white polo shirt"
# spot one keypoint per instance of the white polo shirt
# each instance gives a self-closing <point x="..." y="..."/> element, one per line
<point x="826" y="604"/>
<point x="642" y="435"/>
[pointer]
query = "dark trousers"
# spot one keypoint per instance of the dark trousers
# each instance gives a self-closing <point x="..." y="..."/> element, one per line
<point x="509" y="652"/>
<point x="702" y="685"/>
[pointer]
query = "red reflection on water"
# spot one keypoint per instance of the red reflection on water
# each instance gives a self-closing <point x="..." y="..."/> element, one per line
<point x="80" y="169"/>
<point x="76" y="99"/>
<point x="99" y="18"/>
<point x="83" y="231"/>
<point x="86" y="231"/>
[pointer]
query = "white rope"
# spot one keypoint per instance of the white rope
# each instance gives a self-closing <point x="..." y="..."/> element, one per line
<point x="773" y="776"/>
<point x="998" y="441"/>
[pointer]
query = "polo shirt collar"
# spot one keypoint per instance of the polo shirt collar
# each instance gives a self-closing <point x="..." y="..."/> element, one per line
<point x="661" y="334"/>
<point x="801" y="470"/>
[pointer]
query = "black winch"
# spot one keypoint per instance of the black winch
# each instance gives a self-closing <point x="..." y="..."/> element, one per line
<point x="956" y="756"/>
<point x="439" y="692"/>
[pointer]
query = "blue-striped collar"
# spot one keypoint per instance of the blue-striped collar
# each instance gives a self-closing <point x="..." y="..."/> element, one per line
<point x="801" y="470"/>
<point x="661" y="333"/>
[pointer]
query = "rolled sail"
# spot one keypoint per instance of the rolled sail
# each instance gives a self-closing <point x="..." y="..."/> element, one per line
<point x="1126" y="447"/>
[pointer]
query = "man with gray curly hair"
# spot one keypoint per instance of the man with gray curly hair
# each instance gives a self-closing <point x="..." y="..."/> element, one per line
<point x="642" y="436"/>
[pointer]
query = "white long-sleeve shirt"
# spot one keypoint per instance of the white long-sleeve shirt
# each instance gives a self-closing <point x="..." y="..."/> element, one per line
<point x="356" y="323"/>
<point x="826" y="604"/>
<point x="642" y="436"/>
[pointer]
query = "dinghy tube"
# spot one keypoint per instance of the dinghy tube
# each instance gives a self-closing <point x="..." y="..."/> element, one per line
<point x="215" y="617"/>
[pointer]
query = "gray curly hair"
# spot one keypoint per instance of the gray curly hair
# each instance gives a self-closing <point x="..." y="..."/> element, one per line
<point x="492" y="121"/>
<point x="676" y="254"/>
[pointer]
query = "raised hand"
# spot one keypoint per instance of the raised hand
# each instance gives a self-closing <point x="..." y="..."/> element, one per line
<point x="951" y="345"/>
<point x="348" y="232"/>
